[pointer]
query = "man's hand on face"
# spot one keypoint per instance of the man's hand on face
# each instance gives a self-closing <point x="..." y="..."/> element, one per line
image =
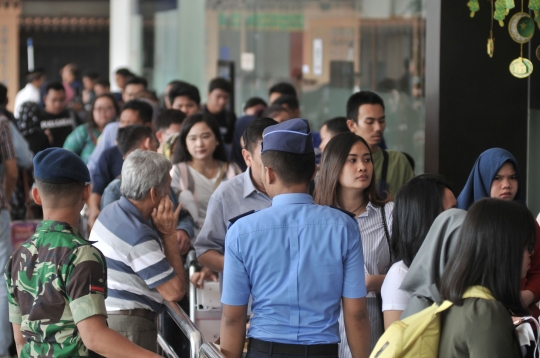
<point x="164" y="218"/>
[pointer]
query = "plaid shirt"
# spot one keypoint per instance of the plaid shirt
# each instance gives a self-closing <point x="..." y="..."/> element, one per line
<point x="7" y="151"/>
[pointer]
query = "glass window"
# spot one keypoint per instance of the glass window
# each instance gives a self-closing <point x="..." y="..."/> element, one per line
<point x="328" y="49"/>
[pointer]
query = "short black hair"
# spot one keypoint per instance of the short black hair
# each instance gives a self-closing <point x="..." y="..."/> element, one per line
<point x="3" y="95"/>
<point x="146" y="94"/>
<point x="188" y="91"/>
<point x="273" y="110"/>
<point x="360" y="98"/>
<point x="254" y="101"/>
<point x="55" y="86"/>
<point x="91" y="74"/>
<point x="36" y="74"/>
<point x="73" y="68"/>
<point x="103" y="82"/>
<point x="178" y="83"/>
<point x="220" y="83"/>
<point x="283" y="88"/>
<point x="168" y="117"/>
<point x="336" y="125"/>
<point x="254" y="132"/>
<point x="290" y="101"/>
<point x="291" y="168"/>
<point x="137" y="81"/>
<point x="124" y="72"/>
<point x="143" y="109"/>
<point x="129" y="138"/>
<point x="60" y="195"/>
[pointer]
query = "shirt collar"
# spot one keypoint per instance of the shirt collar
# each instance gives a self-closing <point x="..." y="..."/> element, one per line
<point x="249" y="187"/>
<point x="128" y="206"/>
<point x="57" y="226"/>
<point x="369" y="209"/>
<point x="294" y="198"/>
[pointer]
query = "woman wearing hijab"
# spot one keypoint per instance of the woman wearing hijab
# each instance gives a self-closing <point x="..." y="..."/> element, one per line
<point x="496" y="174"/>
<point x="429" y="263"/>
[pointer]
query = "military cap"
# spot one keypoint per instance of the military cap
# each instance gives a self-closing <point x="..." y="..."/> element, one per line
<point x="292" y="136"/>
<point x="60" y="166"/>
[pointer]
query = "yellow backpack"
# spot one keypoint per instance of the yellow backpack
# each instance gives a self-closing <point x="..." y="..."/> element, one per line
<point x="418" y="335"/>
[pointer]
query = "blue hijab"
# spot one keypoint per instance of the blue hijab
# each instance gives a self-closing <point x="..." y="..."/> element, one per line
<point x="486" y="167"/>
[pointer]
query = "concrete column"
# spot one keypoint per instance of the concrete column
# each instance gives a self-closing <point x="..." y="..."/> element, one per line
<point x="126" y="34"/>
<point x="10" y="13"/>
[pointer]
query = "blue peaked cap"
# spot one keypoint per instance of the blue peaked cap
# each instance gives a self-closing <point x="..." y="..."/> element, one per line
<point x="292" y="136"/>
<point x="60" y="166"/>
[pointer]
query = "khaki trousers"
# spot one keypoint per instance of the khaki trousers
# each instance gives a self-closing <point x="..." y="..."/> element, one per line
<point x="139" y="330"/>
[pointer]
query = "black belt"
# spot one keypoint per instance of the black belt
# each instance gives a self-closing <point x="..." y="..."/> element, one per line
<point x="293" y="349"/>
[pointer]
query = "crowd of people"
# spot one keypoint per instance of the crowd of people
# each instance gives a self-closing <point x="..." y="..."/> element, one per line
<point x="327" y="237"/>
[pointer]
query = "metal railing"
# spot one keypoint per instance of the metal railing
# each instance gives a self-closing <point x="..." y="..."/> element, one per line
<point x="187" y="327"/>
<point x="209" y="350"/>
<point x="198" y="347"/>
<point x="190" y="263"/>
<point x="167" y="349"/>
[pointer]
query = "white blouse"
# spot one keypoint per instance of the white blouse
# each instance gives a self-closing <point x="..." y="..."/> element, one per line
<point x="394" y="299"/>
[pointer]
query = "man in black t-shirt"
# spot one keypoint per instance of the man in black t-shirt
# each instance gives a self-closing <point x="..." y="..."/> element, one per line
<point x="56" y="120"/>
<point x="219" y="92"/>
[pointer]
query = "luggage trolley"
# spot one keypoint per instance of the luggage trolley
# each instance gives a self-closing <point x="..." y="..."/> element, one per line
<point x="204" y="304"/>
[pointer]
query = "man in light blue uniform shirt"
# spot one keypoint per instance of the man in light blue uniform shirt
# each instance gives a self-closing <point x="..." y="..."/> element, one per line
<point x="298" y="260"/>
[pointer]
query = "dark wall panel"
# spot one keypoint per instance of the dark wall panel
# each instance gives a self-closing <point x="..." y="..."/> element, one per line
<point x="481" y="105"/>
<point x="52" y="50"/>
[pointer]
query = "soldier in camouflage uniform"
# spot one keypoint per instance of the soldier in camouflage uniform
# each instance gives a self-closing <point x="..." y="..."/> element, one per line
<point x="57" y="280"/>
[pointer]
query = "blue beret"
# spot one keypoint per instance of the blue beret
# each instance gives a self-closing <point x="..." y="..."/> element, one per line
<point x="60" y="166"/>
<point x="292" y="136"/>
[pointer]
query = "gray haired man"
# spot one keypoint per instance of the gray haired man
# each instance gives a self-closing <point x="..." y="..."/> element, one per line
<point x="143" y="268"/>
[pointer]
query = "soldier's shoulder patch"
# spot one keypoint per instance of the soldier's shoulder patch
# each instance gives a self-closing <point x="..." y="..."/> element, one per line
<point x="97" y="287"/>
<point x="236" y="218"/>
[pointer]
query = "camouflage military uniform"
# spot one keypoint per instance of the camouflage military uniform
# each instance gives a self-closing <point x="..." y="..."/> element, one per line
<point x="55" y="280"/>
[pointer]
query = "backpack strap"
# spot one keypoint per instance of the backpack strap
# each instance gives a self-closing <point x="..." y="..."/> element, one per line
<point x="472" y="292"/>
<point x="92" y="136"/>
<point x="478" y="292"/>
<point x="186" y="180"/>
<point x="384" y="172"/>
<point x="386" y="231"/>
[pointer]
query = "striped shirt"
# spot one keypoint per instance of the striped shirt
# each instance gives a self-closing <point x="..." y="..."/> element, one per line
<point x="376" y="262"/>
<point x="7" y="152"/>
<point x="136" y="263"/>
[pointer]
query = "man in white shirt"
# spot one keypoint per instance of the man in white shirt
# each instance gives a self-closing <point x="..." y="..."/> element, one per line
<point x="30" y="93"/>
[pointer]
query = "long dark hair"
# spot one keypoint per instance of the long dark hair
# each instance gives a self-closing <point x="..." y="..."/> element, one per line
<point x="334" y="157"/>
<point x="181" y="154"/>
<point x="416" y="206"/>
<point x="489" y="252"/>
<point x="91" y="121"/>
